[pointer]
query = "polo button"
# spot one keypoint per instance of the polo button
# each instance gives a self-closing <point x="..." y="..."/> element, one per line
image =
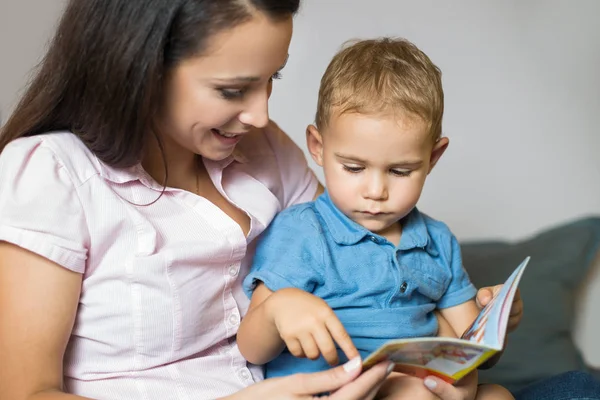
<point x="373" y="239"/>
<point x="403" y="287"/>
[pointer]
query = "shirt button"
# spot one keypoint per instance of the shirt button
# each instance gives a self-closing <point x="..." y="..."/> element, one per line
<point x="234" y="319"/>
<point x="403" y="287"/>
<point x="373" y="239"/>
<point x="233" y="271"/>
<point x="245" y="374"/>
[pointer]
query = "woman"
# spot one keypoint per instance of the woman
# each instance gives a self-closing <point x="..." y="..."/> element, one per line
<point x="135" y="173"/>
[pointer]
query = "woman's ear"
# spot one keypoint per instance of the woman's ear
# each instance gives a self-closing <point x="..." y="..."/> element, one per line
<point x="439" y="147"/>
<point x="314" y="142"/>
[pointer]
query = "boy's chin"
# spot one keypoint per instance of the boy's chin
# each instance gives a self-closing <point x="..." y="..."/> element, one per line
<point x="376" y="227"/>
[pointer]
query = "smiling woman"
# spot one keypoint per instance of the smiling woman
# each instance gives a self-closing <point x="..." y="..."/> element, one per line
<point x="233" y="78"/>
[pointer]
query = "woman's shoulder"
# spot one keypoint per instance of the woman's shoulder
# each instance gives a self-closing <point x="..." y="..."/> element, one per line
<point x="49" y="151"/>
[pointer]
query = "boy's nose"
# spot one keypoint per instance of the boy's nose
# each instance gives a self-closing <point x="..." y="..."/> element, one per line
<point x="376" y="189"/>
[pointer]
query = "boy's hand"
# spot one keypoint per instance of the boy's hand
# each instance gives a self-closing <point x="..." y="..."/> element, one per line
<point x="308" y="326"/>
<point x="485" y="295"/>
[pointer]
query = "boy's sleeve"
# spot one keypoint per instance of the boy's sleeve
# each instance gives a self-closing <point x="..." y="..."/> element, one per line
<point x="289" y="254"/>
<point x="460" y="289"/>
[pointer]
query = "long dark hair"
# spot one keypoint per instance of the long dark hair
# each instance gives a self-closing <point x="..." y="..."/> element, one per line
<point x="103" y="73"/>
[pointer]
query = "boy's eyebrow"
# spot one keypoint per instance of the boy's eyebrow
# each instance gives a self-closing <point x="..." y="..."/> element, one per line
<point x="407" y="163"/>
<point x="249" y="79"/>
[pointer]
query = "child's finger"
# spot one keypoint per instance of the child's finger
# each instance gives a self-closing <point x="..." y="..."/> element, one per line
<point x="341" y="337"/>
<point x="309" y="347"/>
<point x="294" y="347"/>
<point x="326" y="346"/>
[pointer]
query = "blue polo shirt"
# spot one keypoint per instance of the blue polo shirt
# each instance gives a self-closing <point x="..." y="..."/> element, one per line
<point x="379" y="290"/>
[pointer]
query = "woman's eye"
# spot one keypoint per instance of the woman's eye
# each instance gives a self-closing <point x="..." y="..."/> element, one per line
<point x="353" y="169"/>
<point x="276" y="75"/>
<point x="399" y="172"/>
<point x="231" y="94"/>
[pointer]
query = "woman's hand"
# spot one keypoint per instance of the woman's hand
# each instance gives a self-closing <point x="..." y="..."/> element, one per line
<point x="344" y="382"/>
<point x="486" y="294"/>
<point x="465" y="389"/>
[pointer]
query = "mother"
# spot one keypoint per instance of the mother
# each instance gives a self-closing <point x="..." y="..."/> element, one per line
<point x="135" y="174"/>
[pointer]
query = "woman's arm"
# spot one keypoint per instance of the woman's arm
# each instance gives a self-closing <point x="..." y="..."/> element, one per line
<point x="38" y="299"/>
<point x="345" y="381"/>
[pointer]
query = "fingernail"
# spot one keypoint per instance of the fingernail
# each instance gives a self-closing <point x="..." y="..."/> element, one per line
<point x="430" y="383"/>
<point x="390" y="368"/>
<point x="353" y="364"/>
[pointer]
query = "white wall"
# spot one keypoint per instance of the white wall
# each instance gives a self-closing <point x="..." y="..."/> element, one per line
<point x="25" y="27"/>
<point x="522" y="94"/>
<point x="523" y="101"/>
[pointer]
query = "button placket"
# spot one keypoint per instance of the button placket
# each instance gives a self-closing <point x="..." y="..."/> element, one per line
<point x="403" y="287"/>
<point x="245" y="374"/>
<point x="234" y="319"/>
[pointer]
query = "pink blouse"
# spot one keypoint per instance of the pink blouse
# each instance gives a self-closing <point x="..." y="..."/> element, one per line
<point x="161" y="298"/>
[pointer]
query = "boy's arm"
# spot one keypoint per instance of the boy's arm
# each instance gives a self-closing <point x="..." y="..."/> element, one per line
<point x="294" y="318"/>
<point x="460" y="318"/>
<point x="444" y="328"/>
<point x="258" y="338"/>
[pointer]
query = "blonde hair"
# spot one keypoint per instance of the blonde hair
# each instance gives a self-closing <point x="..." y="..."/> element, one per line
<point x="380" y="76"/>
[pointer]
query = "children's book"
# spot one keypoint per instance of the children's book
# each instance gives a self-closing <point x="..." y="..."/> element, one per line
<point x="449" y="358"/>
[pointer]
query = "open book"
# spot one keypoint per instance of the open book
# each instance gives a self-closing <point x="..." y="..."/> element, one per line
<point x="448" y="358"/>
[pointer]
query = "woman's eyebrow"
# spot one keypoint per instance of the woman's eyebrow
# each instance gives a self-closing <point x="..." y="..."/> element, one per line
<point x="249" y="79"/>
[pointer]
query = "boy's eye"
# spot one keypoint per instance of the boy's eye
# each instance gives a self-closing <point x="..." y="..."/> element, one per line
<point x="231" y="94"/>
<point x="353" y="169"/>
<point x="399" y="172"/>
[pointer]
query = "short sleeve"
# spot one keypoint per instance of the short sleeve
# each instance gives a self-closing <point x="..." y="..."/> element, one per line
<point x="289" y="254"/>
<point x="298" y="180"/>
<point x="39" y="207"/>
<point x="460" y="289"/>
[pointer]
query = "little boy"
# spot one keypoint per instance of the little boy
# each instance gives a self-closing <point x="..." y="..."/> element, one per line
<point x="362" y="265"/>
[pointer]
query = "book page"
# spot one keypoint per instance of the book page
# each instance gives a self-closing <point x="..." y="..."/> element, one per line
<point x="489" y="327"/>
<point x="450" y="359"/>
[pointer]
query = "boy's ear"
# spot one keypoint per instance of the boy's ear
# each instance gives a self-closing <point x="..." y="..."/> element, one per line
<point x="314" y="142"/>
<point x="439" y="147"/>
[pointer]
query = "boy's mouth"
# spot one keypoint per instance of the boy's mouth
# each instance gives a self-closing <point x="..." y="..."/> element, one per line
<point x="374" y="213"/>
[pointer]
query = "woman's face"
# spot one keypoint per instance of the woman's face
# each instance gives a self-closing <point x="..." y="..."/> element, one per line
<point x="212" y="101"/>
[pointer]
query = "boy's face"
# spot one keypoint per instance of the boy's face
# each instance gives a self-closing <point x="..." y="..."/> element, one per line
<point x="375" y="166"/>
